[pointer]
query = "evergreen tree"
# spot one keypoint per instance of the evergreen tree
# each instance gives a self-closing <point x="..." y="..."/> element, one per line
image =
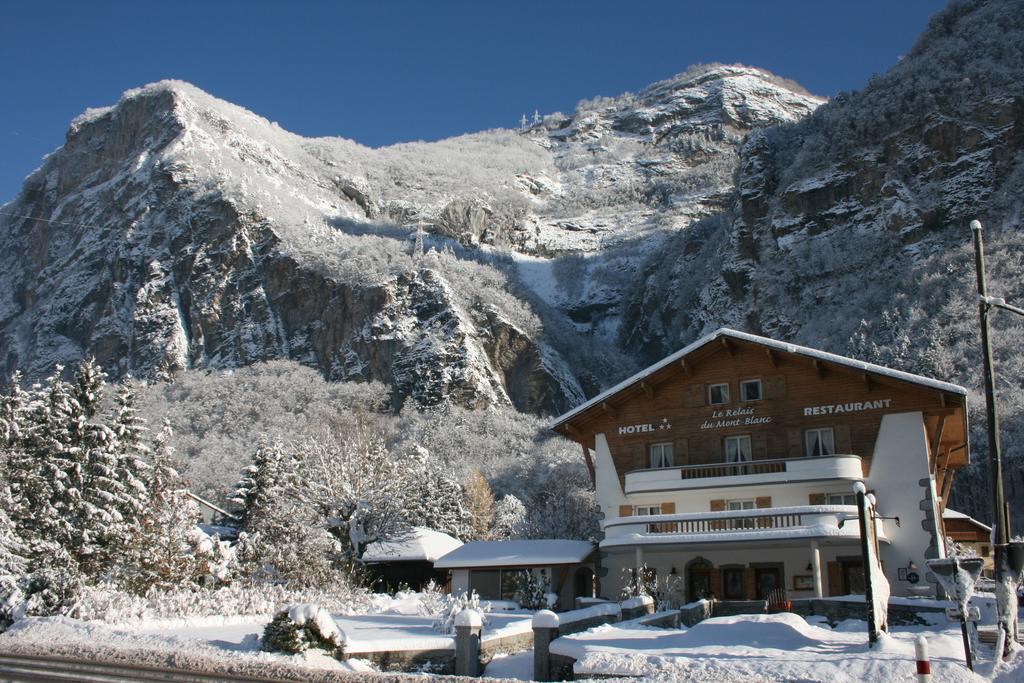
<point x="509" y="518"/>
<point x="132" y="469"/>
<point x="432" y="496"/>
<point x="164" y="545"/>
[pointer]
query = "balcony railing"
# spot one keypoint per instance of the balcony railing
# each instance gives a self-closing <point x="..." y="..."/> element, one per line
<point x="707" y="526"/>
<point x="754" y="471"/>
<point x="804" y="521"/>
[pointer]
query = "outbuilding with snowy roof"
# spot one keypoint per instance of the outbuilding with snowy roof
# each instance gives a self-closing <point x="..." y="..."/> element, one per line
<point x="496" y="570"/>
<point x="409" y="559"/>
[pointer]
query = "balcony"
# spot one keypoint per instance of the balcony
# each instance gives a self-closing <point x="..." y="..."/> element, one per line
<point x="784" y="523"/>
<point x="721" y="474"/>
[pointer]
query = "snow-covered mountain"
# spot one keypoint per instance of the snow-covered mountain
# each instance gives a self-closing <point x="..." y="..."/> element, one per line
<point x="175" y="230"/>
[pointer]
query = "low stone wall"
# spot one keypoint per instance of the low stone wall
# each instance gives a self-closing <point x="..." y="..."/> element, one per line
<point x="637" y="607"/>
<point x="669" y="619"/>
<point x="433" y="661"/>
<point x="899" y="613"/>
<point x="695" y="612"/>
<point x="506" y="645"/>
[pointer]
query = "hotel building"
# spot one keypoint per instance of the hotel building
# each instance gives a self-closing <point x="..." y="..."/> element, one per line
<point x="732" y="463"/>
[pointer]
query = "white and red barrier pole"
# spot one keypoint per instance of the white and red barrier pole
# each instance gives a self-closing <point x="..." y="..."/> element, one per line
<point x="924" y="664"/>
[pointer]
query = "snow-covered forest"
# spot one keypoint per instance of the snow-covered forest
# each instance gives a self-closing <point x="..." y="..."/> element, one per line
<point x="95" y="505"/>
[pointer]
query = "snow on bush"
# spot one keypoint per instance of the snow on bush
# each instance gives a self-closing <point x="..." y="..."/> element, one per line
<point x="451" y="605"/>
<point x="108" y="604"/>
<point x="298" y="628"/>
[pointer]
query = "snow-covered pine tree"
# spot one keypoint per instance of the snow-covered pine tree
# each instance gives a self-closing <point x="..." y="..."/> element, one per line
<point x="50" y="498"/>
<point x="260" y="480"/>
<point x="284" y="537"/>
<point x="162" y="550"/>
<point x="509" y="518"/>
<point x="480" y="503"/>
<point x="132" y="469"/>
<point x="12" y="548"/>
<point x="432" y="497"/>
<point x="100" y="528"/>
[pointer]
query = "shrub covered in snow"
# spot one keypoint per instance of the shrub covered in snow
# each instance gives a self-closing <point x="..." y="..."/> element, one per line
<point x="451" y="605"/>
<point x="301" y="627"/>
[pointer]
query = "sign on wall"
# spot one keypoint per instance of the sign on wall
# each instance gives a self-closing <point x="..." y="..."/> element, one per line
<point x="645" y="427"/>
<point x="857" y="406"/>
<point x="734" y="417"/>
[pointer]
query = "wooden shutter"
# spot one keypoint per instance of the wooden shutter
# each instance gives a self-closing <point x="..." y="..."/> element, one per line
<point x="714" y="449"/>
<point x="759" y="445"/>
<point x="680" y="451"/>
<point x="717" y="506"/>
<point x="694" y="396"/>
<point x="750" y="579"/>
<point x="760" y="503"/>
<point x="625" y="511"/>
<point x="816" y="499"/>
<point x="843" y="441"/>
<point x="637" y="457"/>
<point x="668" y="508"/>
<point x="835" y="579"/>
<point x="774" y="386"/>
<point x="796" y="443"/>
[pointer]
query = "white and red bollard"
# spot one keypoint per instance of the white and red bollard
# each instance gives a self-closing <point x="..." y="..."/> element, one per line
<point x="924" y="664"/>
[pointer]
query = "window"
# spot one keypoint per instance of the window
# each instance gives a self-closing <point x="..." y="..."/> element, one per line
<point x="819" y="442"/>
<point x="737" y="448"/>
<point x="734" y="505"/>
<point x="661" y="455"/>
<point x="718" y="394"/>
<point x="644" y="510"/>
<point x="841" y="499"/>
<point x="984" y="551"/>
<point x="750" y="390"/>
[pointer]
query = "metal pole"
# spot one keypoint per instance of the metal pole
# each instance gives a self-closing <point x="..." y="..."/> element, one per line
<point x="869" y="593"/>
<point x="999" y="531"/>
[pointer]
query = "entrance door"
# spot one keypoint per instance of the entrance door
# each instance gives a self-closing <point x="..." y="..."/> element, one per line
<point x="732" y="583"/>
<point x="583" y="583"/>
<point x="698" y="583"/>
<point x="769" y="583"/>
<point x="853" y="577"/>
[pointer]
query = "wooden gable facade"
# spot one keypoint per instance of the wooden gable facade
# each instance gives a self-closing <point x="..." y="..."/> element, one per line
<point x="798" y="390"/>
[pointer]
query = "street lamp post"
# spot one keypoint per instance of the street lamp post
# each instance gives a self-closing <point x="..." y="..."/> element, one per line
<point x="1000" y="522"/>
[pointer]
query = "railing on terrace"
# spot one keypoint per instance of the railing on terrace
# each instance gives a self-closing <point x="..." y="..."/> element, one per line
<point x="718" y="524"/>
<point x="804" y="465"/>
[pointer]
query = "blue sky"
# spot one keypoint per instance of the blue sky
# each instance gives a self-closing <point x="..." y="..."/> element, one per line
<point x="388" y="71"/>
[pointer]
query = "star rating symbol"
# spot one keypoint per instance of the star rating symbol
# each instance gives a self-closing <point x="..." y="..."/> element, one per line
<point x="664" y="424"/>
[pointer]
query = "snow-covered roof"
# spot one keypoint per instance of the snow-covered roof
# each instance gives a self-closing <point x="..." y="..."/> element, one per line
<point x="772" y="344"/>
<point x="516" y="554"/>
<point x="950" y="513"/>
<point x="419" y="544"/>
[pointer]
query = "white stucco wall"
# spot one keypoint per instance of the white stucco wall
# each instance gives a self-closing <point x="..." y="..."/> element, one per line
<point x="899" y="464"/>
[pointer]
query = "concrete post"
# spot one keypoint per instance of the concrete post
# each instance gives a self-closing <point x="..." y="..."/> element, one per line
<point x="468" y="624"/>
<point x="545" y="629"/>
<point x="816" y="569"/>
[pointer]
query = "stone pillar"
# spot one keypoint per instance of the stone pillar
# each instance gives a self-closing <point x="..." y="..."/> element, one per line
<point x="816" y="569"/>
<point x="468" y="624"/>
<point x="545" y="629"/>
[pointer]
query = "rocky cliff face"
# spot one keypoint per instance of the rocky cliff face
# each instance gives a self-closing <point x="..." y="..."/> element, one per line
<point x="849" y="229"/>
<point x="175" y="230"/>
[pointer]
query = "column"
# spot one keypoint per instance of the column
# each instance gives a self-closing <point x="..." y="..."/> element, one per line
<point x="816" y="569"/>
